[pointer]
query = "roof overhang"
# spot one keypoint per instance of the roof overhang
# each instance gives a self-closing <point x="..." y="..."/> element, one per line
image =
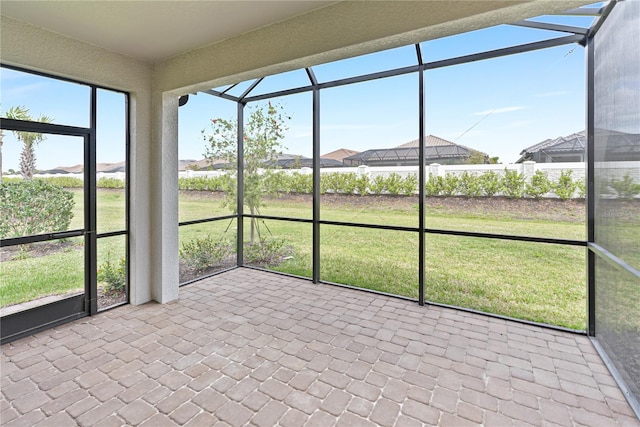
<point x="155" y="31"/>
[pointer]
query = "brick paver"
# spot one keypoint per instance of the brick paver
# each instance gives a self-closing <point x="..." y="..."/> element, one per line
<point x="252" y="348"/>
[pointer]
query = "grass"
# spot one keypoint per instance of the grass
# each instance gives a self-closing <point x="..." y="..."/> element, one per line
<point x="533" y="281"/>
<point x="31" y="277"/>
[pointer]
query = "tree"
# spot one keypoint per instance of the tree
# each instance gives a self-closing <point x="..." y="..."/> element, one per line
<point x="29" y="140"/>
<point x="262" y="139"/>
<point x="477" y="158"/>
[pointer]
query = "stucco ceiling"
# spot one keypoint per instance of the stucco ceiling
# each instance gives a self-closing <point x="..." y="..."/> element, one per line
<point x="154" y="30"/>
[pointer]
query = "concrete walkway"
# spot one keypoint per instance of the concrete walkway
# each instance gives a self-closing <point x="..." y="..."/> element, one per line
<point x="249" y="347"/>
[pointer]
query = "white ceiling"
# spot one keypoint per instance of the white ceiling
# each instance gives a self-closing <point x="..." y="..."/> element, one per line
<point x="154" y="31"/>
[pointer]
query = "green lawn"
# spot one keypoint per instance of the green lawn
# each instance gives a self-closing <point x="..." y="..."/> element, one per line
<point x="533" y="281"/>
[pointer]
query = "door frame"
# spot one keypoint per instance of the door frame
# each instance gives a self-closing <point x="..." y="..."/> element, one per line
<point x="29" y="321"/>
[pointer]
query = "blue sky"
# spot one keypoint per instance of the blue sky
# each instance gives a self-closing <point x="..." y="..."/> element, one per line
<point x="499" y="106"/>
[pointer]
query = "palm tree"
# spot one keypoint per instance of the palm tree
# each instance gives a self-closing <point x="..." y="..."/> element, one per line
<point x="28" y="139"/>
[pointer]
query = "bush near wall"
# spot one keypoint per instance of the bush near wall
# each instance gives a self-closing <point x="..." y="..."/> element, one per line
<point x="111" y="183"/>
<point x="625" y="188"/>
<point x="200" y="183"/>
<point x="511" y="183"/>
<point x="60" y="181"/>
<point x="559" y="183"/>
<point x="33" y="207"/>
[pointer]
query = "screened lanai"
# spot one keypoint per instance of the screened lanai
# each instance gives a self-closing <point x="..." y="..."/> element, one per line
<point x="567" y="263"/>
<point x="325" y="247"/>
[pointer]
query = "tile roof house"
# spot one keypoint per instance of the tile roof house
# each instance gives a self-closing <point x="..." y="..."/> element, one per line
<point x="437" y="150"/>
<point x="562" y="149"/>
<point x="339" y="154"/>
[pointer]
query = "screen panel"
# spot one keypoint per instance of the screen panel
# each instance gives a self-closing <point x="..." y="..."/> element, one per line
<point x="504" y="155"/>
<point x="617" y="191"/>
<point x="539" y="282"/>
<point x="206" y="248"/>
<point x="41" y="273"/>
<point x="376" y="259"/>
<point x="283" y="246"/>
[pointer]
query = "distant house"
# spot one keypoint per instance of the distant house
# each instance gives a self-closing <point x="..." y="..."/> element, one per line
<point x="201" y="165"/>
<point x="281" y="161"/>
<point x="437" y="150"/>
<point x="296" y="161"/>
<point x="562" y="149"/>
<point x="614" y="146"/>
<point x="65" y="170"/>
<point x="111" y="167"/>
<point x="100" y="167"/>
<point x="339" y="154"/>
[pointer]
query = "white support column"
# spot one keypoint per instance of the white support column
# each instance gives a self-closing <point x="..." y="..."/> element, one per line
<point x="363" y="170"/>
<point x="140" y="192"/>
<point x="433" y="170"/>
<point x="528" y="169"/>
<point x="164" y="190"/>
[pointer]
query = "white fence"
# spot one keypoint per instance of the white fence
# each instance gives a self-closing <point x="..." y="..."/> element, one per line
<point x="553" y="170"/>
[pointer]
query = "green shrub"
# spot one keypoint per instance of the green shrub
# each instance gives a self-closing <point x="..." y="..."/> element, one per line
<point x="113" y="274"/>
<point x="625" y="188"/>
<point x="110" y="183"/>
<point x="433" y="186"/>
<point x="202" y="183"/>
<point x="469" y="185"/>
<point x="378" y="185"/>
<point x="301" y="183"/>
<point x="362" y="184"/>
<point x="277" y="182"/>
<point x="582" y="188"/>
<point x="203" y="252"/>
<point x="325" y="182"/>
<point x="266" y="252"/>
<point x="491" y="183"/>
<point x="539" y="185"/>
<point x="34" y="207"/>
<point x="393" y="184"/>
<point x="345" y="183"/>
<point x="450" y="185"/>
<point x="513" y="184"/>
<point x="565" y="186"/>
<point x="64" y="181"/>
<point x="409" y="185"/>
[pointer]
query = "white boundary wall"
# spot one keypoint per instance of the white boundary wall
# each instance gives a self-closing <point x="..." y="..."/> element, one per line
<point x="553" y="170"/>
<point x="527" y="169"/>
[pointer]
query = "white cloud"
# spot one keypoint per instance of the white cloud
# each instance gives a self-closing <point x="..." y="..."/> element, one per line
<point x="498" y="110"/>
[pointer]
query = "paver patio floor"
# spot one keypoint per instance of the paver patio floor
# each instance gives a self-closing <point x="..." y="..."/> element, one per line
<point x="253" y="348"/>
